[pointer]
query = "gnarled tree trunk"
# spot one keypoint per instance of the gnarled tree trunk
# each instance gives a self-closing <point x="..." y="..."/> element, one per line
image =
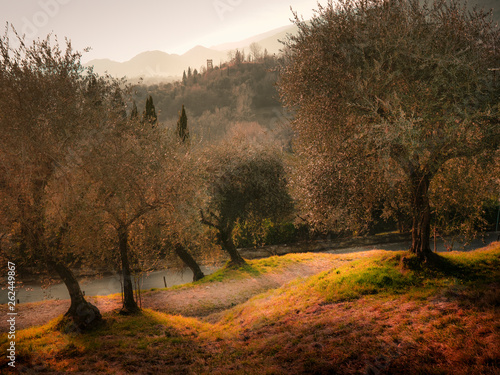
<point x="189" y="261"/>
<point x="421" y="216"/>
<point x="129" y="303"/>
<point x="225" y="239"/>
<point x="227" y="243"/>
<point x="84" y="314"/>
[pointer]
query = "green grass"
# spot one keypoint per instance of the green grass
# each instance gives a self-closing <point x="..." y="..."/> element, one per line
<point x="253" y="268"/>
<point x="256" y="267"/>
<point x="371" y="314"/>
<point x="364" y="277"/>
<point x="385" y="274"/>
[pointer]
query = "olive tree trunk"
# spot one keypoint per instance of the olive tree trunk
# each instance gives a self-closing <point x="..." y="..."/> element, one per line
<point x="421" y="216"/>
<point x="189" y="261"/>
<point x="226" y="240"/>
<point x="129" y="303"/>
<point x="84" y="314"/>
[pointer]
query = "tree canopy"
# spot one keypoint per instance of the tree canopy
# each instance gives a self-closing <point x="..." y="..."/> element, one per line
<point x="387" y="94"/>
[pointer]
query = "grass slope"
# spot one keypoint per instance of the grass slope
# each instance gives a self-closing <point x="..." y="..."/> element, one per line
<point x="368" y="316"/>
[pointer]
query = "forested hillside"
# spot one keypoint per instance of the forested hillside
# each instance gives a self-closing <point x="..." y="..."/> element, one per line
<point x="236" y="94"/>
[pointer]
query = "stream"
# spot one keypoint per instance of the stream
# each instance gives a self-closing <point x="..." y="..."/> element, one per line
<point x="101" y="286"/>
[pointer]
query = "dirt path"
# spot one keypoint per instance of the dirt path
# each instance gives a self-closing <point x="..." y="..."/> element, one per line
<point x="203" y="300"/>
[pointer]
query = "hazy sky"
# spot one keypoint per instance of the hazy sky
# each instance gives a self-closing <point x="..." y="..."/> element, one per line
<point x="120" y="29"/>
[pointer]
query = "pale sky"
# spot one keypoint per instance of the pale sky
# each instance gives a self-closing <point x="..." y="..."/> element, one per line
<point x="120" y="29"/>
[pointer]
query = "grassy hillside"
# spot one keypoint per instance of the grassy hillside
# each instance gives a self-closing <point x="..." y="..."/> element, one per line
<point x="369" y="316"/>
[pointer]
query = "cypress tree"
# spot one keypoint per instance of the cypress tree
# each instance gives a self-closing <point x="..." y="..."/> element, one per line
<point x="182" y="130"/>
<point x="149" y="114"/>
<point x="134" y="114"/>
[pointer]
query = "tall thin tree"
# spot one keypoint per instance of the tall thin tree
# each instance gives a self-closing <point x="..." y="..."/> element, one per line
<point x="149" y="114"/>
<point x="182" y="128"/>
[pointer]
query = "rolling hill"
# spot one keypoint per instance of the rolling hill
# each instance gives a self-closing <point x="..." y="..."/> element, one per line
<point x="164" y="66"/>
<point x="158" y="64"/>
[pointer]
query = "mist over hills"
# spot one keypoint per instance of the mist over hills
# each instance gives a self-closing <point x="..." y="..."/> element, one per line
<point x="156" y="64"/>
<point x="165" y="66"/>
<point x="162" y="66"/>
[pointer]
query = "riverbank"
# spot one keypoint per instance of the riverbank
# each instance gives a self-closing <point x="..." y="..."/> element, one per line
<point x="367" y="313"/>
<point x="193" y="299"/>
<point x="92" y="286"/>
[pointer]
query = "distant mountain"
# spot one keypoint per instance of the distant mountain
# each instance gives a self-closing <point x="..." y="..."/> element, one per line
<point x="153" y="65"/>
<point x="161" y="65"/>
<point x="156" y="64"/>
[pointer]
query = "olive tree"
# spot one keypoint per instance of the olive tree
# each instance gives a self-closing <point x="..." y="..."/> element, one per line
<point x="133" y="176"/>
<point x="386" y="95"/>
<point x="45" y="121"/>
<point x="244" y="181"/>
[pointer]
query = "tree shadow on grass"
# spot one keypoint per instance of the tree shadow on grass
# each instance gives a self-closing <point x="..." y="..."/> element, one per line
<point x="472" y="281"/>
<point x="457" y="266"/>
<point x="148" y="342"/>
